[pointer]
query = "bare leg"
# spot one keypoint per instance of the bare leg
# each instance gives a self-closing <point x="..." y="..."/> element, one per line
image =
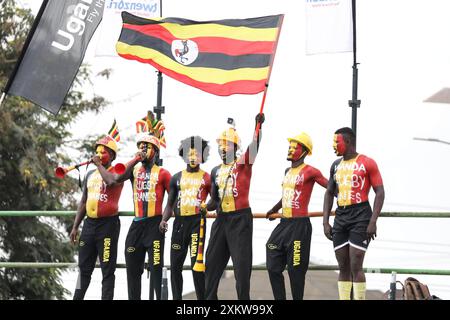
<point x="343" y="259"/>
<point x="356" y="264"/>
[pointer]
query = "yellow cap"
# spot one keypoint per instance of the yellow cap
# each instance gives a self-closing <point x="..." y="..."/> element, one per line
<point x="230" y="135"/>
<point x="146" y="137"/>
<point x="305" y="140"/>
<point x="108" y="142"/>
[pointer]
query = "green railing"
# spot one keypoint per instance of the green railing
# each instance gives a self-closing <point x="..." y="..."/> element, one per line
<point x="73" y="265"/>
<point x="255" y="267"/>
<point x="391" y="214"/>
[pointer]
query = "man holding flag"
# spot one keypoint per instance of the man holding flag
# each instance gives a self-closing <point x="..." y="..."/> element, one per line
<point x="231" y="232"/>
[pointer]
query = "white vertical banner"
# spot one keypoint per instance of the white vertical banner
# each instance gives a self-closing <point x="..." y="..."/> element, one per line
<point x="328" y="26"/>
<point x="109" y="29"/>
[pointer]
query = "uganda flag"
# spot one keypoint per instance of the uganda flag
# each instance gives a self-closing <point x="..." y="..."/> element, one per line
<point x="114" y="131"/>
<point x="222" y="57"/>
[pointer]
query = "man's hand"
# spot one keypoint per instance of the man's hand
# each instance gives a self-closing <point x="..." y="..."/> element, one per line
<point x="96" y="160"/>
<point x="142" y="155"/>
<point x="327" y="230"/>
<point x="74" y="235"/>
<point x="372" y="230"/>
<point x="260" y="118"/>
<point x="269" y="213"/>
<point x="203" y="208"/>
<point x="163" y="226"/>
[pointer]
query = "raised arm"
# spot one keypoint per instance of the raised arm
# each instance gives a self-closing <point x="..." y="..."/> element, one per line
<point x="118" y="178"/>
<point x="252" y="150"/>
<point x="108" y="177"/>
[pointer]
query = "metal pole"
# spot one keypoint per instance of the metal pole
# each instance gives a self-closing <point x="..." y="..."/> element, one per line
<point x="159" y="108"/>
<point x="354" y="103"/>
<point x="393" y="287"/>
<point x="164" y="287"/>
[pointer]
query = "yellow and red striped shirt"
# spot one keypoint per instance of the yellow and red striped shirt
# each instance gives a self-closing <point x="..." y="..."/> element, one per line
<point x="298" y="184"/>
<point x="232" y="182"/>
<point x="102" y="200"/>
<point x="148" y="190"/>
<point x="192" y="189"/>
<point x="354" y="178"/>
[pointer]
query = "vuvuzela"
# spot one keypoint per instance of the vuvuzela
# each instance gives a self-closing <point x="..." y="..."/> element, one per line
<point x="199" y="265"/>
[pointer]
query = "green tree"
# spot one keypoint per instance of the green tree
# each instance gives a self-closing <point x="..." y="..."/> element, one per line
<point x="32" y="144"/>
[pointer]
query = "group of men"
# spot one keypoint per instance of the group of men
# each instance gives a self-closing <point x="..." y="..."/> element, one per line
<point x="228" y="185"/>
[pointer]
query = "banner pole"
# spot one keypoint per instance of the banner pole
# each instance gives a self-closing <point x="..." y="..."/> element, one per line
<point x="159" y="109"/>
<point x="354" y="103"/>
<point x="2" y="98"/>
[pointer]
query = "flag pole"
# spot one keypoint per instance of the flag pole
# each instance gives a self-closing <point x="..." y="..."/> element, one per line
<point x="354" y="103"/>
<point x="24" y="49"/>
<point x="159" y="109"/>
<point x="261" y="109"/>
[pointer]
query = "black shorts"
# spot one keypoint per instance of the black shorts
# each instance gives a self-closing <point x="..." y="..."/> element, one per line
<point x="350" y="226"/>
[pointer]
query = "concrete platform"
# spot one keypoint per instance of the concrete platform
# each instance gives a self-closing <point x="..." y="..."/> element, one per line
<point x="320" y="285"/>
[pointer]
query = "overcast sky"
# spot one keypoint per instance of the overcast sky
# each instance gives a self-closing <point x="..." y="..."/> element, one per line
<point x="404" y="55"/>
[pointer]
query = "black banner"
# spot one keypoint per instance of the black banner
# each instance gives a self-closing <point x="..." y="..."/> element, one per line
<point x="55" y="51"/>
